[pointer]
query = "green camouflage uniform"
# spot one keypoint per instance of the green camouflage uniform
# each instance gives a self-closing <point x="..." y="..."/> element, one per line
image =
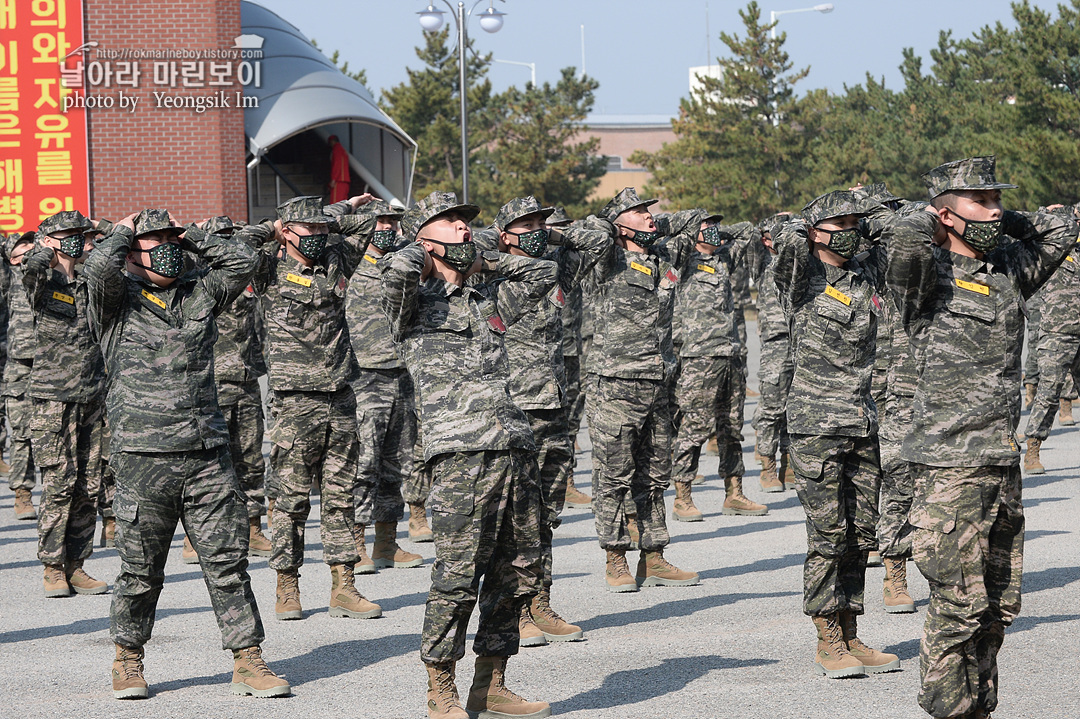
<point x="965" y="320"/>
<point x="485" y="495"/>
<point x="633" y="359"/>
<point x="20" y="361"/>
<point x="311" y="365"/>
<point x="169" y="440"/>
<point x="775" y="368"/>
<point x="831" y="417"/>
<point x="67" y="391"/>
<point x="705" y="333"/>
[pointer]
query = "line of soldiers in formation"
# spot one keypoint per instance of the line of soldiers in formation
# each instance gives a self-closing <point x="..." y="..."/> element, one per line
<point x="411" y="361"/>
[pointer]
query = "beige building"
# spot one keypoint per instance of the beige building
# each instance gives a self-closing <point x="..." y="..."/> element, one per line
<point x="620" y="137"/>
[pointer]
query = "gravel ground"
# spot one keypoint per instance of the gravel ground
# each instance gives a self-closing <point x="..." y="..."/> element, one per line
<point x="738" y="645"/>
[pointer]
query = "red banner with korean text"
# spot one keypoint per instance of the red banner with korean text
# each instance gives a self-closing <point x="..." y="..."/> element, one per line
<point x="44" y="165"/>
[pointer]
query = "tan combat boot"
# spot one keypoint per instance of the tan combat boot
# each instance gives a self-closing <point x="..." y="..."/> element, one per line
<point x="82" y="582"/>
<point x="873" y="558"/>
<point x="632" y="529"/>
<point x="873" y="661"/>
<point x="491" y="698"/>
<point x="270" y="514"/>
<point x="617" y="572"/>
<point x="108" y="532"/>
<point x="751" y="392"/>
<point x="419" y="531"/>
<point x="127" y="674"/>
<point x="258" y="543"/>
<point x="833" y="658"/>
<point x="24" y="505"/>
<point x="1032" y="465"/>
<point x="386" y="553"/>
<point x="655" y="571"/>
<point x="251" y="676"/>
<point x="187" y="554"/>
<point x="711" y="447"/>
<point x="897" y="598"/>
<point x="443" y="701"/>
<point x="365" y="565"/>
<point x="684" y="509"/>
<point x="287" y="605"/>
<point x="574" y="495"/>
<point x="345" y="599"/>
<point x="529" y="635"/>
<point x="770" y="480"/>
<point x="5" y="468"/>
<point x="1065" y="418"/>
<point x="554" y="627"/>
<point x="56" y="583"/>
<point x="1029" y="395"/>
<point x="737" y="503"/>
<point x="787" y="474"/>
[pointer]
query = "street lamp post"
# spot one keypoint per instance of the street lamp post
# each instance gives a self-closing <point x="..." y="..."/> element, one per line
<point x="491" y="20"/>
<point x="773" y="14"/>
<point x="530" y="65"/>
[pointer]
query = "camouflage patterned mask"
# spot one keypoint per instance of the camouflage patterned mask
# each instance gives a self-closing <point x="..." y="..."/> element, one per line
<point x="167" y="260"/>
<point x="711" y="235"/>
<point x="532" y="243"/>
<point x="981" y="236"/>
<point x="459" y="256"/>
<point x="312" y="246"/>
<point x="383" y="239"/>
<point x="842" y="242"/>
<point x="642" y="238"/>
<point x="72" y="246"/>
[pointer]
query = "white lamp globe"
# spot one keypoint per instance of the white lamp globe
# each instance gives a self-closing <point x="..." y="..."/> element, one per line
<point x="491" y="20"/>
<point x="431" y="19"/>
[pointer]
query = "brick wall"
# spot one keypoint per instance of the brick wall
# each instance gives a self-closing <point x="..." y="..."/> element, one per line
<point x="191" y="163"/>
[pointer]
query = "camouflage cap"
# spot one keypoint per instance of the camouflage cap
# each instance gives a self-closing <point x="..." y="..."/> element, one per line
<point x="558" y="217"/>
<point x="712" y="217"/>
<point x="221" y="225"/>
<point x="15" y="239"/>
<point x="879" y="192"/>
<point x="974" y="173"/>
<point x="67" y="220"/>
<point x="832" y="204"/>
<point x="625" y="200"/>
<point x="307" y="208"/>
<point x="427" y="209"/>
<point x="770" y="223"/>
<point x="382" y="208"/>
<point x="520" y="207"/>
<point x="154" y="220"/>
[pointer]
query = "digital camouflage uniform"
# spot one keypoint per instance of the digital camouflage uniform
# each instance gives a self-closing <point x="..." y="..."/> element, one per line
<point x="311" y="365"/>
<point x="66" y="388"/>
<point x="20" y="361"/>
<point x="169" y="440"/>
<point x="775" y="368"/>
<point x="831" y="416"/>
<point x="485" y="495"/>
<point x="965" y="320"/>
<point x="633" y="360"/>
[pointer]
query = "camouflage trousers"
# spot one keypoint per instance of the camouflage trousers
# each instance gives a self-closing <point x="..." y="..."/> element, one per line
<point x="837" y="479"/>
<point x="630" y="428"/>
<point x="705" y="402"/>
<point x="386" y="422"/>
<point x="774" y="382"/>
<point x="241" y="403"/>
<point x="315" y="438"/>
<point x="67" y="438"/>
<point x="1058" y="356"/>
<point x="897" y="490"/>
<point x="1031" y="364"/>
<point x="484" y="510"/>
<point x="19" y="410"/>
<point x="154" y="491"/>
<point x="417" y="485"/>
<point x="968" y="541"/>
<point x="555" y="461"/>
<point x="575" y="395"/>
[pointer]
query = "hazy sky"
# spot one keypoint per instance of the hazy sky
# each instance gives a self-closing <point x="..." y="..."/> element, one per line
<point x="641" y="50"/>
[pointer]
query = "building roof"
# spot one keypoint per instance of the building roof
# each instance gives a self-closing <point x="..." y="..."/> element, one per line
<point x="601" y="121"/>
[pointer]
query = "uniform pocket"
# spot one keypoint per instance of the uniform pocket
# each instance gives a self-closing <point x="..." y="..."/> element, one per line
<point x="282" y="435"/>
<point x="47" y="433"/>
<point x="453" y="488"/>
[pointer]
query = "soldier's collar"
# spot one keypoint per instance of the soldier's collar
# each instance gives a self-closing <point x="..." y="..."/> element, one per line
<point x="294" y="264"/>
<point x="971" y="264"/>
<point x="441" y="286"/>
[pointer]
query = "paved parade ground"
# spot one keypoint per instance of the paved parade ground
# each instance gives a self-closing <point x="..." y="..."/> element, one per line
<point x="738" y="645"/>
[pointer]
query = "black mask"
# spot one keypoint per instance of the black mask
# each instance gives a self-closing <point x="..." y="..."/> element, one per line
<point x="981" y="236"/>
<point x="842" y="242"/>
<point x="167" y="260"/>
<point x="383" y="239"/>
<point x="459" y="256"/>
<point x="72" y="245"/>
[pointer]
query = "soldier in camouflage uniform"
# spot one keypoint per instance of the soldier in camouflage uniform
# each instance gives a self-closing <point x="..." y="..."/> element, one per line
<point x="959" y="290"/>
<point x="774" y="368"/>
<point x="107" y="493"/>
<point x="66" y="388"/>
<point x="630" y="421"/>
<point x="169" y="439"/>
<point x="384" y="408"/>
<point x="485" y="496"/>
<point x="831" y="300"/>
<point x="301" y="280"/>
<point x="706" y="393"/>
<point x="538" y="382"/>
<point x="5" y="468"/>
<point x="20" y="361"/>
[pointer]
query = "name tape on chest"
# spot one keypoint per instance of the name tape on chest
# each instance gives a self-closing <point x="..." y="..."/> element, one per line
<point x="973" y="287"/>
<point x="298" y="280"/>
<point x="641" y="268"/>
<point x="63" y="298"/>
<point x="706" y="268"/>
<point x="369" y="258"/>
<point x="837" y="295"/>
<point x="154" y="298"/>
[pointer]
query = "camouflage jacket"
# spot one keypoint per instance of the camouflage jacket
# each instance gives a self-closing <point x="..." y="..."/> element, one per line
<point x="20" y="316"/>
<point x="307" y="337"/>
<point x="966" y="327"/>
<point x="158" y="343"/>
<point x="634" y="300"/>
<point x="832" y="314"/>
<point x="772" y="324"/>
<point x="705" y="307"/>
<point x="1060" y="297"/>
<point x="68" y="366"/>
<point x="452" y="341"/>
<point x="571" y="323"/>
<point x="368" y="331"/>
<point x="535" y="342"/>
<point x="238" y="352"/>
